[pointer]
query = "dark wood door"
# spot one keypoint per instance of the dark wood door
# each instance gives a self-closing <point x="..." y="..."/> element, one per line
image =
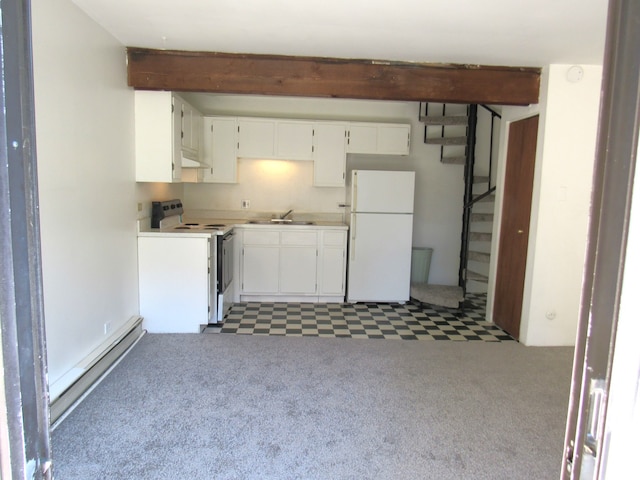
<point x="514" y="231"/>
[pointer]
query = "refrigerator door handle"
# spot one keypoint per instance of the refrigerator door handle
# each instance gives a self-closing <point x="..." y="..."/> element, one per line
<point x="353" y="238"/>
<point x="354" y="193"/>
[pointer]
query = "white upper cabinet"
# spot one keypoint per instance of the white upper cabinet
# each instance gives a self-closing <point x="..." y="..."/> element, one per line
<point x="220" y="150"/>
<point x="362" y="138"/>
<point x="256" y="137"/>
<point x="275" y="139"/>
<point x="294" y="140"/>
<point x="167" y="128"/>
<point x="379" y="138"/>
<point x="394" y="139"/>
<point x="191" y="128"/>
<point x="329" y="154"/>
<point x="157" y="133"/>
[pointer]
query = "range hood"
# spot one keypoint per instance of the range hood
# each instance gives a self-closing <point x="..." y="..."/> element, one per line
<point x="189" y="159"/>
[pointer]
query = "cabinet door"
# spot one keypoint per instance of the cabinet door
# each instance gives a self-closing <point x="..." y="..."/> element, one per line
<point x="256" y="138"/>
<point x="191" y="126"/>
<point x="329" y="155"/>
<point x="174" y="293"/>
<point x="220" y="150"/>
<point x="298" y="269"/>
<point x="333" y="263"/>
<point x="154" y="137"/>
<point x="333" y="270"/>
<point x="294" y="140"/>
<point x="260" y="266"/>
<point x="394" y="139"/>
<point x="362" y="138"/>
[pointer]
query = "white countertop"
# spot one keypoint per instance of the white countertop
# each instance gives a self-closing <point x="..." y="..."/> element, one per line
<point x="145" y="230"/>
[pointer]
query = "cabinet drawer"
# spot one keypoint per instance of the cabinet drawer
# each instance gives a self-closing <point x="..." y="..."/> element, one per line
<point x="334" y="238"/>
<point x="299" y="238"/>
<point x="261" y="237"/>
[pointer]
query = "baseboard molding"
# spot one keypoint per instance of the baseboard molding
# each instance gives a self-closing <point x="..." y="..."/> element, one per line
<point x="94" y="371"/>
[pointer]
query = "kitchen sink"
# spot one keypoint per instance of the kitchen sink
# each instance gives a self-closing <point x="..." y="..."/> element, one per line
<point x="278" y="221"/>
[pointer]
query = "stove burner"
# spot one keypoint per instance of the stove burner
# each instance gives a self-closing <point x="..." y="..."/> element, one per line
<point x="210" y="228"/>
<point x="192" y="224"/>
<point x="182" y="228"/>
<point x="217" y="225"/>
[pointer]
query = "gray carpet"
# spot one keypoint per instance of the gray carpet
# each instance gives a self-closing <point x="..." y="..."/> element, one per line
<point x="260" y="407"/>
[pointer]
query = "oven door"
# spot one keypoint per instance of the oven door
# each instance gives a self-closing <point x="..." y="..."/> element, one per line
<point x="225" y="275"/>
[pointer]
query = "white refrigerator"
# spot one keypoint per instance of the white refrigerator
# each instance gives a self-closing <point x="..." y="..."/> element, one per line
<point x="380" y="235"/>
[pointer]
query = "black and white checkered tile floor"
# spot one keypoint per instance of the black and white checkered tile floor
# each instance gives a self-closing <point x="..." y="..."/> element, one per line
<point x="411" y="321"/>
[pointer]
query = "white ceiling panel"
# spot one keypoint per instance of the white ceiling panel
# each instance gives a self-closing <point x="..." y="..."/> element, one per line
<point x="488" y="32"/>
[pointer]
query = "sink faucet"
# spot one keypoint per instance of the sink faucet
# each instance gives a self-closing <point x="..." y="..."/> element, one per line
<point x="282" y="217"/>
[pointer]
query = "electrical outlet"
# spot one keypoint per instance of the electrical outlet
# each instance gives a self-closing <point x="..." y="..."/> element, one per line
<point x="139" y="207"/>
<point x="245" y="204"/>
<point x="107" y="327"/>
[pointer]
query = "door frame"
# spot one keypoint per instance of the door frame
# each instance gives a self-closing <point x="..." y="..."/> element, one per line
<point x="585" y="442"/>
<point x="24" y="411"/>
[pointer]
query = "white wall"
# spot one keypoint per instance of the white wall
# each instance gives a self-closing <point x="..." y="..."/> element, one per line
<point x="84" y="131"/>
<point x="149" y="192"/>
<point x="439" y="187"/>
<point x="560" y="205"/>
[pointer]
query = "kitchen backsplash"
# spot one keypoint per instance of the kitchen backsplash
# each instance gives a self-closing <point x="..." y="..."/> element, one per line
<point x="267" y="185"/>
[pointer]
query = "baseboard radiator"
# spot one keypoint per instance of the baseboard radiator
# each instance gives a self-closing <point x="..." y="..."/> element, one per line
<point x="95" y="368"/>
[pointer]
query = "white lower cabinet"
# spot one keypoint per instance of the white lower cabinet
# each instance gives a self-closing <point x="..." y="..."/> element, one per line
<point x="260" y="265"/>
<point x="298" y="267"/>
<point x="333" y="263"/>
<point x="290" y="263"/>
<point x="175" y="286"/>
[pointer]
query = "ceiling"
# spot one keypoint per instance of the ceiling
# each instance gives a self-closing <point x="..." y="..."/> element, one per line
<point x="484" y="32"/>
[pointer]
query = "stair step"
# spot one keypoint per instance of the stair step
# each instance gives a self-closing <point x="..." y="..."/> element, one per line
<point x="446" y="141"/>
<point x="480" y="179"/>
<point x="478" y="277"/>
<point x="444" y="120"/>
<point x="454" y="160"/>
<point x="479" y="237"/>
<point x="482" y="217"/>
<point x="479" y="256"/>
<point x="488" y="198"/>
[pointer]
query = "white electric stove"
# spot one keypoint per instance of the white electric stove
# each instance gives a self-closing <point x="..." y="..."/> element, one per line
<point x="166" y="216"/>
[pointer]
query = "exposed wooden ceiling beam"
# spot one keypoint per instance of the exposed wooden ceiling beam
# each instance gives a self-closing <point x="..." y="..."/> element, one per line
<point x="330" y="77"/>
